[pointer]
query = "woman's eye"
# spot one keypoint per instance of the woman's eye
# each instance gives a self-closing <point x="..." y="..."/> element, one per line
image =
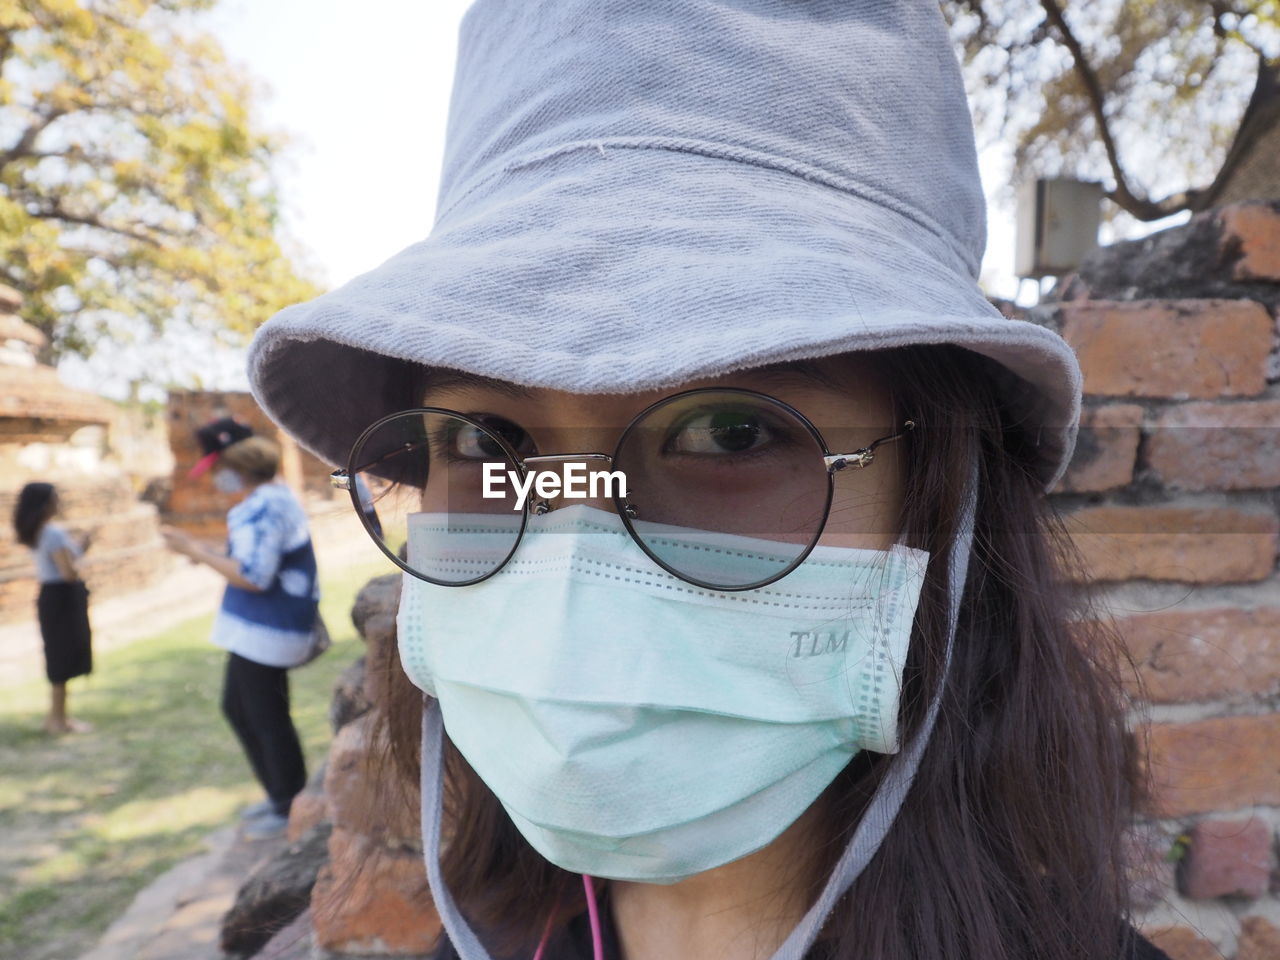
<point x="471" y="443"/>
<point x="720" y="432"/>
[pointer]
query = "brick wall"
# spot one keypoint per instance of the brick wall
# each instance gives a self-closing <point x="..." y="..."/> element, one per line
<point x="1173" y="500"/>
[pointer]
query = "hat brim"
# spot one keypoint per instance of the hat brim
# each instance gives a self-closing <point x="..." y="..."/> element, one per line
<point x="636" y="269"/>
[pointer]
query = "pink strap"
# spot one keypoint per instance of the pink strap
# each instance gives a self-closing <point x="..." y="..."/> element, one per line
<point x="597" y="942"/>
<point x="546" y="935"/>
<point x="593" y="911"/>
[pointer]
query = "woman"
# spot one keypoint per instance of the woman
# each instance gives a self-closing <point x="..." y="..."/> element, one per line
<point x="62" y="606"/>
<point x="792" y="678"/>
<point x="268" y="611"/>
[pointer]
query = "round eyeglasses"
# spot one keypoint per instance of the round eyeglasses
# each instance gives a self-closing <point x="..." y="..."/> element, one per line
<point x="448" y="496"/>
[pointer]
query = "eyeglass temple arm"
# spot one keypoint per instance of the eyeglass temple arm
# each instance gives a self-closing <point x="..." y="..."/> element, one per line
<point x="342" y="480"/>
<point x="863" y="456"/>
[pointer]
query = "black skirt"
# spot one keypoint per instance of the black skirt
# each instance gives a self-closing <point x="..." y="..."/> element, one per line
<point x="63" y="610"/>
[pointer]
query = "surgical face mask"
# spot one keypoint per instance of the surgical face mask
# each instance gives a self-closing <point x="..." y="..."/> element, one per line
<point x="227" y="481"/>
<point x="637" y="727"/>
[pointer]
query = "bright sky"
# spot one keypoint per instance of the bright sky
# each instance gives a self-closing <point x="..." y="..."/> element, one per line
<point x="363" y="89"/>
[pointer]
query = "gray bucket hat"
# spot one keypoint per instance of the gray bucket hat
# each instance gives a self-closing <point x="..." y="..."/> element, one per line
<point x="638" y="194"/>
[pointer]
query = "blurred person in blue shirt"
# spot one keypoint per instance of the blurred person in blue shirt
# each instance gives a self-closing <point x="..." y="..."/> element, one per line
<point x="268" y="616"/>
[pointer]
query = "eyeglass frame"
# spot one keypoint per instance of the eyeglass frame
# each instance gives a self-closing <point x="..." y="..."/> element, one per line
<point x="833" y="463"/>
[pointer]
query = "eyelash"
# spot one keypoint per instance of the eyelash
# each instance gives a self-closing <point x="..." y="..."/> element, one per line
<point x="495" y="423"/>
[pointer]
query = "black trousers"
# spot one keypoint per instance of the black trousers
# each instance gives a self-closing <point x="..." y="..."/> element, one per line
<point x="255" y="701"/>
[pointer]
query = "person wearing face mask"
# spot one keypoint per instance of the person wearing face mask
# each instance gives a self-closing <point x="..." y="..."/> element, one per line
<point x="731" y="624"/>
<point x="268" y="618"/>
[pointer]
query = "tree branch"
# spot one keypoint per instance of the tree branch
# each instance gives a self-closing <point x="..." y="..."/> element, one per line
<point x="27" y="141"/>
<point x="7" y="276"/>
<point x="6" y="48"/>
<point x="1261" y="115"/>
<point x="1140" y="207"/>
<point x="1220" y="9"/>
<point x="25" y="145"/>
<point x="88" y="220"/>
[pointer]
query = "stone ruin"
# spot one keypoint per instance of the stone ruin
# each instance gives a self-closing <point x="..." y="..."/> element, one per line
<point x="51" y="432"/>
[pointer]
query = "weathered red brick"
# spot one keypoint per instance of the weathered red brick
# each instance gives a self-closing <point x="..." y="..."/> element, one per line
<point x="1217" y="446"/>
<point x="1221" y="764"/>
<point x="360" y="799"/>
<point x="1227" y="858"/>
<point x="1183" y="349"/>
<point x="1184" y="656"/>
<point x="1175" y="543"/>
<point x="1254" y="230"/>
<point x="1259" y="940"/>
<point x="1106" y="449"/>
<point x="374" y="614"/>
<point x="370" y="899"/>
<point x="1183" y="943"/>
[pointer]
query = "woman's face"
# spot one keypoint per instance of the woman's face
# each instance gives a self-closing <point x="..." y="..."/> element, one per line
<point x="841" y="396"/>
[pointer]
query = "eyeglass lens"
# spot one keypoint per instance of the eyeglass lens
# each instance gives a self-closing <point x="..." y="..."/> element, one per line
<point x="724" y="488"/>
<point x="424" y="473"/>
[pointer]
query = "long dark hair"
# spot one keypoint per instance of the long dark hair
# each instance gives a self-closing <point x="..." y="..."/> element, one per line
<point x="1007" y="846"/>
<point x="33" y="509"/>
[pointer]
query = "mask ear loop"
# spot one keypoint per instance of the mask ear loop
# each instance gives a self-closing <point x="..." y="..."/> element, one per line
<point x="463" y="938"/>
<point x="593" y="911"/>
<point x="862" y="846"/>
<point x="546" y="934"/>
<point x="597" y="940"/>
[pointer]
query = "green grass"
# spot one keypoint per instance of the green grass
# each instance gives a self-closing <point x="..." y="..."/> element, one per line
<point x="88" y="820"/>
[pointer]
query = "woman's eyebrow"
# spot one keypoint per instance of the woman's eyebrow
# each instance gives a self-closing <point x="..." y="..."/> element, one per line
<point x="805" y="372"/>
<point x="435" y="381"/>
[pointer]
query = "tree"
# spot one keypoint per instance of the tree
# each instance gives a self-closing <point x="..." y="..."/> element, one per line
<point x="1134" y="93"/>
<point x="134" y="184"/>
